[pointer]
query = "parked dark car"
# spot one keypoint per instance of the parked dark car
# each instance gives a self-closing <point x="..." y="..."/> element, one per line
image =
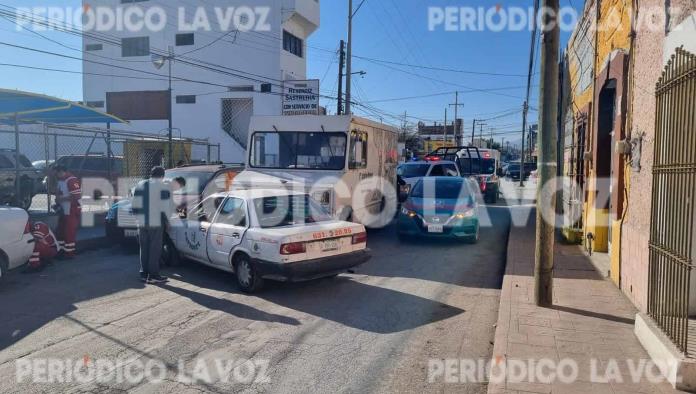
<point x="90" y="166"/>
<point x="513" y="170"/>
<point x="201" y="181"/>
<point x="29" y="180"/>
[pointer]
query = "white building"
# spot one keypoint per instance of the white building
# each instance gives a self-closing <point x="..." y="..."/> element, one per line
<point x="252" y="63"/>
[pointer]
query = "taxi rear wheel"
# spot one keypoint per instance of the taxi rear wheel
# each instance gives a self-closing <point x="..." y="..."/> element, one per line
<point x="248" y="279"/>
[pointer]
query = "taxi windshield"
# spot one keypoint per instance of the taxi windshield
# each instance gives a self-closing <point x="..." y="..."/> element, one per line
<point x="279" y="211"/>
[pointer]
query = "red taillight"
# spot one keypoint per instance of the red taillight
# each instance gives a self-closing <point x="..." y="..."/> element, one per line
<point x="432" y="158"/>
<point x="360" y="238"/>
<point x="293" y="248"/>
<point x="27" y="228"/>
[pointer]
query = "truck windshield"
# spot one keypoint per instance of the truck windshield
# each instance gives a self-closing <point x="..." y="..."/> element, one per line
<point x="297" y="150"/>
<point x="279" y="211"/>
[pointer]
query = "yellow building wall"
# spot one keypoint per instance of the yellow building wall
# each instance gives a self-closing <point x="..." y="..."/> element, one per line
<point x="614" y="29"/>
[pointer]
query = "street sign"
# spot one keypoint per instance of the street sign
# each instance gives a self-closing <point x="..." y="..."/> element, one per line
<point x="301" y="97"/>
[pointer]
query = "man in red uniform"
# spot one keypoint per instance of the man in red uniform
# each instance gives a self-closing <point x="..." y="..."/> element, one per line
<point x="45" y="246"/>
<point x="68" y="195"/>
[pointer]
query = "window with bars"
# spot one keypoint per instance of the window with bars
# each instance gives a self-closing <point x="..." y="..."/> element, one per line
<point x="292" y="44"/>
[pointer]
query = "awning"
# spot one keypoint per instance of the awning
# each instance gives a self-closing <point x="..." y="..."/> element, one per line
<point x="28" y="107"/>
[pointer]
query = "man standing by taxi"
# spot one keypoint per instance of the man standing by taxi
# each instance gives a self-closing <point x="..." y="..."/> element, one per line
<point x="68" y="195"/>
<point x="152" y="205"/>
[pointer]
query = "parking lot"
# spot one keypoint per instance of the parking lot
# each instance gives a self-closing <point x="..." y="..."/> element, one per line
<point x="371" y="330"/>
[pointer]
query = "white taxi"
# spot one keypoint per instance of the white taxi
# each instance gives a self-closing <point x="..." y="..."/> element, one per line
<point x="16" y="241"/>
<point x="266" y="234"/>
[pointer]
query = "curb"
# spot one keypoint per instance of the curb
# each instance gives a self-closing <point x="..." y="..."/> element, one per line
<point x="502" y="328"/>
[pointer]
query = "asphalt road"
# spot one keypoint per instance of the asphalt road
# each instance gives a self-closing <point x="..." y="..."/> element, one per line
<point x="374" y="330"/>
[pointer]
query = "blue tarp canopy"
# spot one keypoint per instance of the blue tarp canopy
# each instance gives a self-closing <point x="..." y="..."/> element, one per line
<point x="28" y="107"/>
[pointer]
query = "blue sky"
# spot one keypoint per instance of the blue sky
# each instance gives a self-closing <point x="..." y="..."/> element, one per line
<point x="386" y="30"/>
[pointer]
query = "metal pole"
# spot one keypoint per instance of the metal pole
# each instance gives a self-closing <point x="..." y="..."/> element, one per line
<point x="524" y="126"/>
<point x="109" y="155"/>
<point x="207" y="158"/>
<point x="341" y="62"/>
<point x="170" y="158"/>
<point x="473" y="131"/>
<point x="47" y="154"/>
<point x="444" y="130"/>
<point x="456" y="112"/>
<point x="546" y="203"/>
<point x="18" y="185"/>
<point x="349" y="61"/>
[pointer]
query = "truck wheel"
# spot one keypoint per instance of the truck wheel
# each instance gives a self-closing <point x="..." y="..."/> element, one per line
<point x="247" y="278"/>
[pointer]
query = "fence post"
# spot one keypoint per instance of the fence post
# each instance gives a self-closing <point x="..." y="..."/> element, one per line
<point x="108" y="150"/>
<point x="47" y="153"/>
<point x="18" y="185"/>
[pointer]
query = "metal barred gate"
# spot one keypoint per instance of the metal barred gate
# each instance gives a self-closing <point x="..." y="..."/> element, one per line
<point x="673" y="192"/>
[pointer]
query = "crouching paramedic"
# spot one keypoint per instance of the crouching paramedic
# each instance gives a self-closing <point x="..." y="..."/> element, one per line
<point x="45" y="246"/>
<point x="68" y="195"/>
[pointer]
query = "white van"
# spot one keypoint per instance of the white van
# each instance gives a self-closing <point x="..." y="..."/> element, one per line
<point x="346" y="163"/>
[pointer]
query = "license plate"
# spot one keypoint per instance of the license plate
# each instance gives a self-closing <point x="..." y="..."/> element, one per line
<point x="330" y="246"/>
<point x="130" y="233"/>
<point x="435" y="228"/>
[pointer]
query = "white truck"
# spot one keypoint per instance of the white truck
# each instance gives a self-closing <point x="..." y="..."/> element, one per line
<point x="346" y="163"/>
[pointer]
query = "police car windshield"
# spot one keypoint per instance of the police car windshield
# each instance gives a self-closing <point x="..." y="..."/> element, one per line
<point x="279" y="211"/>
<point x="195" y="180"/>
<point x="413" y="170"/>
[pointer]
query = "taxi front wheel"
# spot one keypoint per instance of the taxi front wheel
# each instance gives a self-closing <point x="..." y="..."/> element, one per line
<point x="247" y="278"/>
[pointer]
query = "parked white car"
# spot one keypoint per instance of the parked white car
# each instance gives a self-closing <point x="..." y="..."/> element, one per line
<point x="266" y="234"/>
<point x="16" y="241"/>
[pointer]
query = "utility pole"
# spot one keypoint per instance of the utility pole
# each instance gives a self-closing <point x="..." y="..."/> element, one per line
<point x="473" y="131"/>
<point x="481" y="124"/>
<point x="525" y="108"/>
<point x="444" y="128"/>
<point x="524" y="126"/>
<point x="548" y="112"/>
<point x="349" y="61"/>
<point x="457" y="132"/>
<point x="341" y="62"/>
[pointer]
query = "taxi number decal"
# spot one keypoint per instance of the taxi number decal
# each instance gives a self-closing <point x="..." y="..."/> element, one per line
<point x="333" y="233"/>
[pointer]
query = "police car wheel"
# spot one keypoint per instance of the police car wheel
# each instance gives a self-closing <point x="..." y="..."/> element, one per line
<point x="170" y="256"/>
<point x="3" y="266"/>
<point x="247" y="277"/>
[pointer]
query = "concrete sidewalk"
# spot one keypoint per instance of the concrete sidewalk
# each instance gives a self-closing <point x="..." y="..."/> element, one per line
<point x="590" y="325"/>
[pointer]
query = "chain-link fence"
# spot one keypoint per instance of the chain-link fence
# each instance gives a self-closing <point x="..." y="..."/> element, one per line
<point x="119" y="157"/>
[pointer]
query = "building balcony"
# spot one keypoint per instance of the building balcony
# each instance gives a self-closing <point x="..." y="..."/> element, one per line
<point x="305" y="12"/>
